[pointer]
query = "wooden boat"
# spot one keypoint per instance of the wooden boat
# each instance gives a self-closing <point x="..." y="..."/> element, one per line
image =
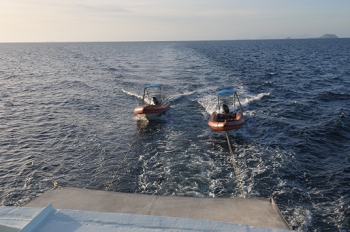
<point x="153" y="102"/>
<point x="224" y="119"/>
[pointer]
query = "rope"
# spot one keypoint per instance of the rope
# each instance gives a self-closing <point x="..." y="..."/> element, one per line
<point x="240" y="185"/>
<point x="125" y="156"/>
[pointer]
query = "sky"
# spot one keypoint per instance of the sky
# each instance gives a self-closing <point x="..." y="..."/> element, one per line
<point x="170" y="20"/>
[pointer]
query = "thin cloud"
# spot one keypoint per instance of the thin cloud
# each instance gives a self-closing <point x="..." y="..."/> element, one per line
<point x="115" y="20"/>
<point x="100" y="8"/>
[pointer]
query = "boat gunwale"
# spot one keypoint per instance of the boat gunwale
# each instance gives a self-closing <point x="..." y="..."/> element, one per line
<point x="226" y="124"/>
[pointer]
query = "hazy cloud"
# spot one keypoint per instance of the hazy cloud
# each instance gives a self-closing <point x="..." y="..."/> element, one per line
<point x="115" y="20"/>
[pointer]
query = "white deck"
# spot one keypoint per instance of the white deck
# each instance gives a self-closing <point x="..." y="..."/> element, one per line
<point x="91" y="210"/>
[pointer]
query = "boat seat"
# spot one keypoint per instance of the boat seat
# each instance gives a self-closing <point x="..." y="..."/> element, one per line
<point x="227" y="117"/>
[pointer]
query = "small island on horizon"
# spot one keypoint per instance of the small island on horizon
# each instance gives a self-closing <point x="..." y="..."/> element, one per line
<point x="329" y="36"/>
<point x="325" y="36"/>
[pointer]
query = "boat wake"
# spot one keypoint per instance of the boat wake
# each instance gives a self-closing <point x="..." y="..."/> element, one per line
<point x="209" y="102"/>
<point x="132" y="94"/>
<point x="246" y="100"/>
<point x="173" y="98"/>
<point x="170" y="98"/>
<point x="136" y="95"/>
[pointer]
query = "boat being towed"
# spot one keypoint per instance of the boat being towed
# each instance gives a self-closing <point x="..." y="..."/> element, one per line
<point x="153" y="102"/>
<point x="225" y="119"/>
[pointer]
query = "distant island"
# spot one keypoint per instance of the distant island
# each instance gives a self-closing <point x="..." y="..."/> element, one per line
<point x="329" y="36"/>
<point x="325" y="36"/>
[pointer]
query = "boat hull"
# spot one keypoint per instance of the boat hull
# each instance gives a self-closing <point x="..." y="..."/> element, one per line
<point x="152" y="109"/>
<point x="225" y="124"/>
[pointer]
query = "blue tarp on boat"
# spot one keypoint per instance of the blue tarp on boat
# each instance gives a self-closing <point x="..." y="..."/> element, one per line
<point x="226" y="91"/>
<point x="152" y="85"/>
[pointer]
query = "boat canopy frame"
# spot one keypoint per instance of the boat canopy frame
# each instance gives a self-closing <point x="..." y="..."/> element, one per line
<point x="153" y="90"/>
<point x="225" y="96"/>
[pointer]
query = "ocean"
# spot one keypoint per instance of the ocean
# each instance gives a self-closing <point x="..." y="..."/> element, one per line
<point x="66" y="119"/>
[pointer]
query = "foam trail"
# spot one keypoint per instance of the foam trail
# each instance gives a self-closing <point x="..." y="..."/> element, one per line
<point x="173" y="98"/>
<point x="247" y="100"/>
<point x="135" y="95"/>
<point x="131" y="94"/>
<point x="208" y="103"/>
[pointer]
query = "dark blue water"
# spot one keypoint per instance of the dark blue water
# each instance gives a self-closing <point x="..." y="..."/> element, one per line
<point x="66" y="116"/>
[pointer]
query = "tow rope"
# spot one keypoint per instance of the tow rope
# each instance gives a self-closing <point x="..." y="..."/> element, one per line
<point x="240" y="184"/>
<point x="125" y="156"/>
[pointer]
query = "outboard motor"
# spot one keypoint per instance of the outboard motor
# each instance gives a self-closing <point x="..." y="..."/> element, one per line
<point x="225" y="108"/>
<point x="155" y="101"/>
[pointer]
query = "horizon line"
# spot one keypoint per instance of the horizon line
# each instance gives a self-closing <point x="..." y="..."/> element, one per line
<point x="204" y="40"/>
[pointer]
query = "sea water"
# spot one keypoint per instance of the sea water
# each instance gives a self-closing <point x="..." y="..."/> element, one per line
<point x="66" y="119"/>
